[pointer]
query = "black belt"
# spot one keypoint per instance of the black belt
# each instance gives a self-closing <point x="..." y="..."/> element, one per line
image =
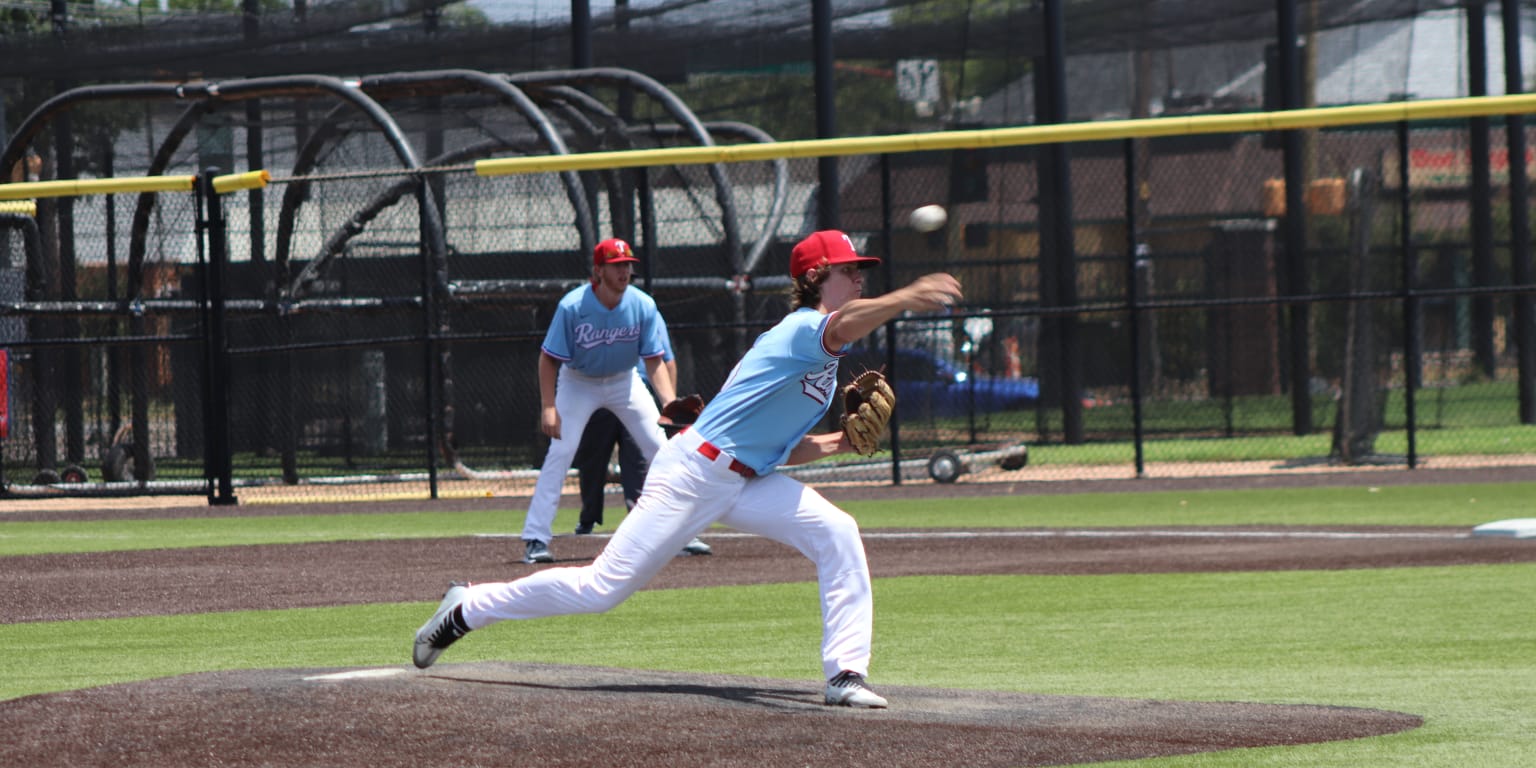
<point x="711" y="452"/>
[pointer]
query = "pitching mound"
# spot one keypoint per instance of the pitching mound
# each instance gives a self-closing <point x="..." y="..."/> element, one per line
<point x="501" y="713"/>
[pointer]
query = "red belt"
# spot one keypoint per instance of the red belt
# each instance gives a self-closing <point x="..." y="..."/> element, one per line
<point x="711" y="452"/>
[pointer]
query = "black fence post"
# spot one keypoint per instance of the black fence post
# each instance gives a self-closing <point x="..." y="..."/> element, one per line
<point x="824" y="77"/>
<point x="1412" y="333"/>
<point x="1523" y="333"/>
<point x="1480" y="193"/>
<point x="1133" y="256"/>
<point x="217" y="459"/>
<point x="432" y="368"/>
<point x="891" y="327"/>
<point x="1295" y="225"/>
<point x="1061" y="366"/>
<point x="648" y="242"/>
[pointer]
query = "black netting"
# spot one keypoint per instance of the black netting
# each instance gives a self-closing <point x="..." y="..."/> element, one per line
<point x="384" y="303"/>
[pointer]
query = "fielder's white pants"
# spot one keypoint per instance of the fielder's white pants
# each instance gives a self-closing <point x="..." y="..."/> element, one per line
<point x="576" y="398"/>
<point x="685" y="493"/>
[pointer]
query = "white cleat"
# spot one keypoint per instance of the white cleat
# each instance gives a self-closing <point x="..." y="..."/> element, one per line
<point x="696" y="547"/>
<point x="441" y="630"/>
<point x="849" y="690"/>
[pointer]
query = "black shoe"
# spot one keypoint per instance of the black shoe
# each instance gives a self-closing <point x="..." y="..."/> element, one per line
<point x="583" y="529"/>
<point x="536" y="551"/>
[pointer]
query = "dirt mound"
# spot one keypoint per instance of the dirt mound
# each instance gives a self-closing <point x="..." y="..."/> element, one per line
<point x="501" y="714"/>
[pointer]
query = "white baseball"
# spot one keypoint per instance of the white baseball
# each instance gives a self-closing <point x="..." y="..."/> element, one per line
<point x="929" y="218"/>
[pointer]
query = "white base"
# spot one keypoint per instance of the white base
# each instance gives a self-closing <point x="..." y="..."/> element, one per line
<point x="1518" y="528"/>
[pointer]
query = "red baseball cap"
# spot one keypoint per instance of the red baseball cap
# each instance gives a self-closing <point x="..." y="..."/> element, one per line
<point x="612" y="251"/>
<point x="827" y="247"/>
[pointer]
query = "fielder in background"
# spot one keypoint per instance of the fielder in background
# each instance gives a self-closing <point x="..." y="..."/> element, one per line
<point x="602" y="434"/>
<point x="722" y="470"/>
<point x="598" y="334"/>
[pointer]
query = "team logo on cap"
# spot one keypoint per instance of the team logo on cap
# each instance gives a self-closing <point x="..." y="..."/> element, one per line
<point x="611" y="251"/>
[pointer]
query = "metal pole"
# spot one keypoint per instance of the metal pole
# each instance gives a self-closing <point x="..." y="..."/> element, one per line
<point x="1295" y="223"/>
<point x="114" y="356"/>
<point x="581" y="34"/>
<point x="1412" y="336"/>
<point x="1056" y="194"/>
<point x="216" y="388"/>
<point x="648" y="228"/>
<point x="828" y="214"/>
<point x="890" y="325"/>
<point x="1481" y="191"/>
<point x="1133" y="255"/>
<point x="432" y="366"/>
<point x="1524" y="332"/>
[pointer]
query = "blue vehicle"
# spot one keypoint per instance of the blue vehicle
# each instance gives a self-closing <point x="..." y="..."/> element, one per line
<point x="928" y="386"/>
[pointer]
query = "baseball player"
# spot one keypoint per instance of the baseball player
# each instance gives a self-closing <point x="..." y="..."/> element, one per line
<point x="587" y="362"/>
<point x="722" y="470"/>
<point x="603" y="432"/>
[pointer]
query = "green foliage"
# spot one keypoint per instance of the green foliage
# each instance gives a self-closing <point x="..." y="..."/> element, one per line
<point x="866" y="101"/>
<point x="19" y="23"/>
<point x="464" y="15"/>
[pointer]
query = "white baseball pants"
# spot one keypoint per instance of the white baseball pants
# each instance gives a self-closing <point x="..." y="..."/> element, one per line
<point x="685" y="493"/>
<point x="576" y="397"/>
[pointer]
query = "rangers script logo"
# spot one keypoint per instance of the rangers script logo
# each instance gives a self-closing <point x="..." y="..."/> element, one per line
<point x="819" y="385"/>
<point x="588" y="337"/>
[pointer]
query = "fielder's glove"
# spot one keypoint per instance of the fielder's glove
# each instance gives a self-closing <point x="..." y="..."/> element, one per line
<point x="678" y="414"/>
<point x="867" y="404"/>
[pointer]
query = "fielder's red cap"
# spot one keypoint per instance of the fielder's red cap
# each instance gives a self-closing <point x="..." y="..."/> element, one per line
<point x="612" y="251"/>
<point x="826" y="247"/>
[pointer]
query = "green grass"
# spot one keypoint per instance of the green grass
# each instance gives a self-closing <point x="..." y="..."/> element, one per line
<point x="1478" y="418"/>
<point x="1466" y="405"/>
<point x="1450" y="644"/>
<point x="1505" y="440"/>
<point x="1386" y="505"/>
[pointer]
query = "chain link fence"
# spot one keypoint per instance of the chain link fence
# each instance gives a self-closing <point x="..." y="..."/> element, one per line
<point x="369" y="322"/>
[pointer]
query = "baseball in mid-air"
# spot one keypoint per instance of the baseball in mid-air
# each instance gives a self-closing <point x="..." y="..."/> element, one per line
<point x="929" y="218"/>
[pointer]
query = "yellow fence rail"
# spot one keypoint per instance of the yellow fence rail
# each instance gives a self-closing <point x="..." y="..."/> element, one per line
<point x="31" y="190"/>
<point x="1106" y="130"/>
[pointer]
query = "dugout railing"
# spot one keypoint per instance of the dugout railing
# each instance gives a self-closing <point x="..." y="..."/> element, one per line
<point x="1167" y="341"/>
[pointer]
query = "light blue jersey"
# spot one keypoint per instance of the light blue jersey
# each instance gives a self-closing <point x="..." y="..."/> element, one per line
<point x="776" y="394"/>
<point x="594" y="340"/>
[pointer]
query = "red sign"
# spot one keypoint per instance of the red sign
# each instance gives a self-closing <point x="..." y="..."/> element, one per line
<point x="1450" y="167"/>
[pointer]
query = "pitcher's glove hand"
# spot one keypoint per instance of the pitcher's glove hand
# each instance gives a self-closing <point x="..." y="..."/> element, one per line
<point x="681" y="412"/>
<point x="867" y="404"/>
